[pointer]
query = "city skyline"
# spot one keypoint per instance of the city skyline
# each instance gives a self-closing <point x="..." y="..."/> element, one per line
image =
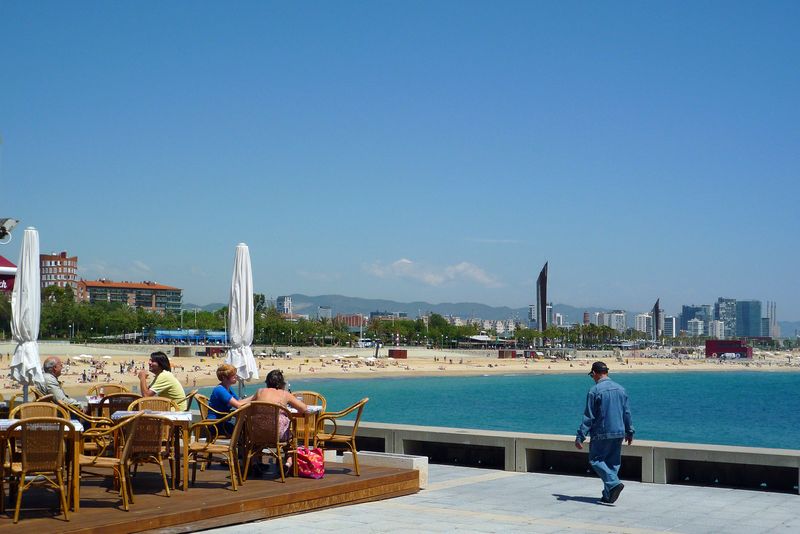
<point x="411" y="151"/>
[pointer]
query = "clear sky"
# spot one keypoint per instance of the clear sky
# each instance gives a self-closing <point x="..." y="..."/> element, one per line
<point x="440" y="151"/>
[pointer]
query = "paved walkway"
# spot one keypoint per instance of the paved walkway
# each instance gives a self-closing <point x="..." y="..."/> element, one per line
<point x="460" y="499"/>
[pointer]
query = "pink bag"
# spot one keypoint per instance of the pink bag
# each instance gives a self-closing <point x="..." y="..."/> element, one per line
<point x="310" y="462"/>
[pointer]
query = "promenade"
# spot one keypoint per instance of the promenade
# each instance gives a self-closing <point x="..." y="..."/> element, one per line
<point x="460" y="499"/>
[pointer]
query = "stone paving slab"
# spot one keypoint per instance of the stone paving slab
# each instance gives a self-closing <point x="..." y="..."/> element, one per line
<point x="466" y="500"/>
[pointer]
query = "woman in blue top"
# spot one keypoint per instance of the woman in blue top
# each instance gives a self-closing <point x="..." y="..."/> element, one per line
<point x="223" y="399"/>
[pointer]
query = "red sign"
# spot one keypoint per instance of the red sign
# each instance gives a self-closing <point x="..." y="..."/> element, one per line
<point x="8" y="272"/>
<point x="7" y="282"/>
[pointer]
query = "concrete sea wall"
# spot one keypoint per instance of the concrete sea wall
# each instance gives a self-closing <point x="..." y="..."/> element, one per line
<point x="647" y="461"/>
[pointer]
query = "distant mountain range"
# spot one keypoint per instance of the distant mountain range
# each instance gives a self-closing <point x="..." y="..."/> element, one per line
<point x="340" y="304"/>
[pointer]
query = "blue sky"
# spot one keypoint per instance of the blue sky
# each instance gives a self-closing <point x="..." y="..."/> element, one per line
<point x="439" y="151"/>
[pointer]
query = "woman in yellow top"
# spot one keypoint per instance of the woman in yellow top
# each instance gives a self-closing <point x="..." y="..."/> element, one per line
<point x="165" y="383"/>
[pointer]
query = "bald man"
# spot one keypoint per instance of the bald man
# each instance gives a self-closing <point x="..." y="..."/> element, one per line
<point x="52" y="367"/>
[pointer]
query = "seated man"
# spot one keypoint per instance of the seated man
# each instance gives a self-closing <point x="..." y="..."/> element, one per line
<point x="51" y="386"/>
<point x="165" y="383"/>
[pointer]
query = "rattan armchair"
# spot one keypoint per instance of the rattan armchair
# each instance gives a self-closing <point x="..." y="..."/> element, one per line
<point x="310" y="398"/>
<point x="42" y="456"/>
<point x="158" y="404"/>
<point x="116" y="402"/>
<point x="205" y="408"/>
<point x="108" y="389"/>
<point x="15" y="400"/>
<point x="207" y="442"/>
<point x="262" y="432"/>
<point x="161" y="404"/>
<point x="38" y="409"/>
<point x="91" y="444"/>
<point x="147" y="446"/>
<point x="125" y="428"/>
<point x="188" y="399"/>
<point x="336" y="439"/>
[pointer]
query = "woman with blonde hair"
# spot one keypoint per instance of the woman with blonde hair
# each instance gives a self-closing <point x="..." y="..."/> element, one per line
<point x="223" y="399"/>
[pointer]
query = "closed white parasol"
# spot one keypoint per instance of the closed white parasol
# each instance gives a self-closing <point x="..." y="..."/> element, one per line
<point x="240" y="317"/>
<point x="25" y="314"/>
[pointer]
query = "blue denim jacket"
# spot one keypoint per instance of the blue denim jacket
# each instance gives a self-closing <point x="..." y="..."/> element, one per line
<point x="607" y="415"/>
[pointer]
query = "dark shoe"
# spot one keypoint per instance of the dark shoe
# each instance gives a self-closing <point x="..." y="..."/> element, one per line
<point x="604" y="499"/>
<point x="613" y="495"/>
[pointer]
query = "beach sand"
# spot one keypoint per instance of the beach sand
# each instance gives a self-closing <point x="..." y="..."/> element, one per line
<point x="344" y="362"/>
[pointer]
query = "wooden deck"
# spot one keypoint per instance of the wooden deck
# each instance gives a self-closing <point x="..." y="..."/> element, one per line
<point x="210" y="503"/>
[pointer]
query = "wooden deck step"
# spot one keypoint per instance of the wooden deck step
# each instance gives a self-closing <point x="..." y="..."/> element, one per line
<point x="209" y="504"/>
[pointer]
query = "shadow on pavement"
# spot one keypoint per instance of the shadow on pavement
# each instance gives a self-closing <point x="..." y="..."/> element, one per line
<point x="590" y="500"/>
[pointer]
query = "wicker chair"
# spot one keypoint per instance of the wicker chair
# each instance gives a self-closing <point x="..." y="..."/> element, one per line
<point x="115" y="402"/>
<point x="158" y="404"/>
<point x="208" y="442"/>
<point x="161" y="404"/>
<point x="108" y="389"/>
<point x="261" y="433"/>
<point x="147" y="446"/>
<point x="310" y="398"/>
<point x="38" y="409"/>
<point x="15" y="400"/>
<point x="205" y="407"/>
<point x="188" y="399"/>
<point x="37" y="393"/>
<point x="42" y="458"/>
<point x="126" y="428"/>
<point x="336" y="439"/>
<point x="90" y="444"/>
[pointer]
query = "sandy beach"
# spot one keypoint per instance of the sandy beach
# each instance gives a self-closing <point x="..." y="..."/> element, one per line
<point x="119" y="363"/>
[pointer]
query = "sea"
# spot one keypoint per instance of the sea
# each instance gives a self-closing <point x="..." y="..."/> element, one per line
<point x="753" y="409"/>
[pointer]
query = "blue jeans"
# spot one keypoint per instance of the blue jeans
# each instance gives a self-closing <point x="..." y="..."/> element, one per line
<point x="605" y="457"/>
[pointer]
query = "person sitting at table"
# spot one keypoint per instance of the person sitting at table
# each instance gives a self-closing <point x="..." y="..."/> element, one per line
<point x="165" y="383"/>
<point x="223" y="399"/>
<point x="276" y="393"/>
<point x="52" y="368"/>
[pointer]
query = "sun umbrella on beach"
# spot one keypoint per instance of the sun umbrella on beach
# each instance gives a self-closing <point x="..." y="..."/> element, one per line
<point x="25" y="314"/>
<point x="240" y="318"/>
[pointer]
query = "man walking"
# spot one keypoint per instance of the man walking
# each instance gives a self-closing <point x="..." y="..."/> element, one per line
<point x="607" y="420"/>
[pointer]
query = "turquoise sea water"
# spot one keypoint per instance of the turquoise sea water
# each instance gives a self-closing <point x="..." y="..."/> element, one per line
<point x="753" y="409"/>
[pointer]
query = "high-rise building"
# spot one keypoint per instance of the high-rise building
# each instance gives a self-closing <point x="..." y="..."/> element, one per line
<point x="658" y="321"/>
<point x="585" y="318"/>
<point x="715" y="329"/>
<point x="774" y="330"/>
<point x="58" y="270"/>
<point x="541" y="299"/>
<point x="643" y="322"/>
<point x="748" y="318"/>
<point x="324" y="313"/>
<point x="725" y="311"/>
<point x="689" y="312"/>
<point x="670" y="326"/>
<point x="284" y="305"/>
<point x="695" y="327"/>
<point x="617" y="320"/>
